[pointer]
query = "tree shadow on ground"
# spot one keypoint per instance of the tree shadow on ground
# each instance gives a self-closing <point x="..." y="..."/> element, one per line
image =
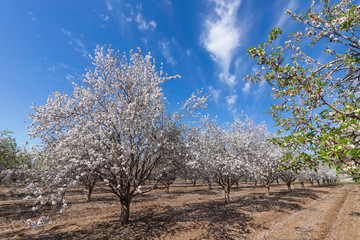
<point x="211" y="219"/>
<point x="214" y="220"/>
<point x="201" y="220"/>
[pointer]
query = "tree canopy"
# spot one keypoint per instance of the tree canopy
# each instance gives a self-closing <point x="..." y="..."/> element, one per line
<point x="13" y="160"/>
<point x="114" y="125"/>
<point x="317" y="100"/>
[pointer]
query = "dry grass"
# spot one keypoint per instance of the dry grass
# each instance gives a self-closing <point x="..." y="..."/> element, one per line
<point x="188" y="212"/>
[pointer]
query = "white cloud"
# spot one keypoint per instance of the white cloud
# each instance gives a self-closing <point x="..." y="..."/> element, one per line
<point x="33" y="18"/>
<point x="69" y="77"/>
<point x="231" y="100"/>
<point x="188" y="52"/>
<point x="246" y="88"/>
<point x="80" y="46"/>
<point x="104" y="17"/>
<point x="137" y="16"/>
<point x="52" y="68"/>
<point x="37" y="68"/>
<point x="229" y="79"/>
<point x="215" y="93"/>
<point x="221" y="36"/>
<point x="165" y="50"/>
<point x="143" y="24"/>
<point x="66" y="32"/>
<point x="260" y="91"/>
<point x="64" y="65"/>
<point x="109" y="6"/>
<point x="167" y="2"/>
<point x="144" y="41"/>
<point x="284" y="18"/>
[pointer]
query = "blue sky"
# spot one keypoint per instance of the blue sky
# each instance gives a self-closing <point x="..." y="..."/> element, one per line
<point x="45" y="45"/>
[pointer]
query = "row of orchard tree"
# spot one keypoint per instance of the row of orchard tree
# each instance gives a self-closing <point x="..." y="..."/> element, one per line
<point x="115" y="128"/>
<point x="234" y="152"/>
<point x="225" y="155"/>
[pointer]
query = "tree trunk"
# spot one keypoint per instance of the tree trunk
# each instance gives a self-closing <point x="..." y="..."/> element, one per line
<point x="125" y="212"/>
<point x="88" y="194"/>
<point x="267" y="185"/>
<point x="210" y="186"/>
<point x="167" y="188"/>
<point x="288" y="184"/>
<point x="227" y="194"/>
<point x="194" y="182"/>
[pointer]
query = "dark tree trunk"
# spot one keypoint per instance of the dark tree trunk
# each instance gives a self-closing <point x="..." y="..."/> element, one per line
<point x="194" y="182"/>
<point x="88" y="194"/>
<point x="288" y="184"/>
<point x="125" y="212"/>
<point x="227" y="194"/>
<point x="167" y="188"/>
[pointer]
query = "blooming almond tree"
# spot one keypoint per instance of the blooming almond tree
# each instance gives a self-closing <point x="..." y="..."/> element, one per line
<point x="115" y="124"/>
<point x="225" y="152"/>
<point x="317" y="105"/>
<point x="199" y="156"/>
<point x="266" y="161"/>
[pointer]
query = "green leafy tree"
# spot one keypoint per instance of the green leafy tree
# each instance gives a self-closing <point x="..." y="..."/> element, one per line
<point x="317" y="101"/>
<point x="13" y="160"/>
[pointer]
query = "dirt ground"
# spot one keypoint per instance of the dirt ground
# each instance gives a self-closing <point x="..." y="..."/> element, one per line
<point x="188" y="212"/>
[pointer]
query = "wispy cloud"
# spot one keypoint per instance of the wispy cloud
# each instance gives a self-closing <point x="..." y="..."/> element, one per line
<point x="228" y="78"/>
<point x="215" y="93"/>
<point x="69" y="77"/>
<point x="260" y="91"/>
<point x="64" y="65"/>
<point x="52" y="68"/>
<point x="230" y="102"/>
<point x="109" y="5"/>
<point x="104" y="17"/>
<point x="31" y="14"/>
<point x="166" y="52"/>
<point x="246" y="88"/>
<point x="77" y="41"/>
<point x="284" y="18"/>
<point x="58" y="66"/>
<point x="136" y="15"/>
<point x="188" y="52"/>
<point x="221" y="36"/>
<point x="37" y="68"/>
<point x="143" y="24"/>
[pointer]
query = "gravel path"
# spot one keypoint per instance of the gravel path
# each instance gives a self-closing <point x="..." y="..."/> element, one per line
<point x="336" y="215"/>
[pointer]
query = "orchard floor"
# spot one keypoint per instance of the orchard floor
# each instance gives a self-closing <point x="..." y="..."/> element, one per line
<point x="188" y="212"/>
